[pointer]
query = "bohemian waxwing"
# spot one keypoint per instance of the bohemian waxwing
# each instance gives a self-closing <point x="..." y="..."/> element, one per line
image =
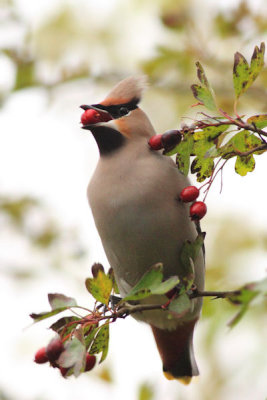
<point x="133" y="195"/>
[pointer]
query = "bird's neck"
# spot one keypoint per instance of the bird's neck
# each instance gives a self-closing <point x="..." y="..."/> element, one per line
<point x="108" y="140"/>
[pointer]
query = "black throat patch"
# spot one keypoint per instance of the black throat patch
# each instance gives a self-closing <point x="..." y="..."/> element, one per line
<point x="107" y="139"/>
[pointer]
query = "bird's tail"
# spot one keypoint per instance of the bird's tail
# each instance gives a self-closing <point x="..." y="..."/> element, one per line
<point x="176" y="351"/>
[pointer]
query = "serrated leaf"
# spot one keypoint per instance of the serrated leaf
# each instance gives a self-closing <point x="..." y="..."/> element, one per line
<point x="204" y="94"/>
<point x="260" y="121"/>
<point x="181" y="305"/>
<point x="243" y="165"/>
<point x="243" y="74"/>
<point x="203" y="167"/>
<point x="184" y="150"/>
<point x="73" y="356"/>
<point x="58" y="300"/>
<point x="243" y="141"/>
<point x="100" y="343"/>
<point x="188" y="255"/>
<point x="257" y="61"/>
<point x="100" y="287"/>
<point x="201" y="75"/>
<point x="240" y="74"/>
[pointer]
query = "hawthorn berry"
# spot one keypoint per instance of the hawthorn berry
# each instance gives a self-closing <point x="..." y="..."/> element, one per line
<point x="54" y="349"/>
<point x="40" y="356"/>
<point x="198" y="210"/>
<point x="170" y="139"/>
<point x="90" y="116"/>
<point x="63" y="371"/>
<point x="189" y="193"/>
<point x="90" y="362"/>
<point x="155" y="142"/>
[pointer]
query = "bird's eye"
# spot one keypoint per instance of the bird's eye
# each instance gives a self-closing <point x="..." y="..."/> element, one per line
<point x="123" y="111"/>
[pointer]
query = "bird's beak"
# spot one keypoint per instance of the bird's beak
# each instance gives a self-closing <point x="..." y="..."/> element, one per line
<point x="104" y="115"/>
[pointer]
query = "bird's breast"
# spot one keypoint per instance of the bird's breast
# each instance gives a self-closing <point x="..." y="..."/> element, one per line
<point x="139" y="218"/>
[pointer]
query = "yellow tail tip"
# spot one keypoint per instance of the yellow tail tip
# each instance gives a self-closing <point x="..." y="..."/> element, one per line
<point x="185" y="380"/>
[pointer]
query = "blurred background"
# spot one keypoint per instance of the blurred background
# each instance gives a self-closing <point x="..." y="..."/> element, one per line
<point x="54" y="56"/>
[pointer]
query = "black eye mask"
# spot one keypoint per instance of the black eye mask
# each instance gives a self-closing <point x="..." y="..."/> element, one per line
<point x="118" y="110"/>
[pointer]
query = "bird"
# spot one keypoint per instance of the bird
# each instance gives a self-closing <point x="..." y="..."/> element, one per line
<point x="133" y="195"/>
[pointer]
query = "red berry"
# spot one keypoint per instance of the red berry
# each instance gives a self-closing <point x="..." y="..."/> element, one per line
<point x="155" y="142"/>
<point x="54" y="349"/>
<point x="40" y="356"/>
<point x="63" y="371"/>
<point x="90" y="362"/>
<point x="189" y="193"/>
<point x="90" y="116"/>
<point x="170" y="139"/>
<point x="198" y="210"/>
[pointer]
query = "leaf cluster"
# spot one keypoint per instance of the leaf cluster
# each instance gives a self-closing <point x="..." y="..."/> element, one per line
<point x="208" y="143"/>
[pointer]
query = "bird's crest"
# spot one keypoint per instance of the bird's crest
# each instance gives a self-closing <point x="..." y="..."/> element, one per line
<point x="126" y="90"/>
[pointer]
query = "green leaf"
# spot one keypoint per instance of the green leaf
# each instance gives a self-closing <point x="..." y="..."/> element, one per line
<point x="257" y="61"/>
<point x="204" y="140"/>
<point x="243" y="165"/>
<point x="203" y="167"/>
<point x="204" y="94"/>
<point x="241" y="142"/>
<point x="260" y="121"/>
<point x="188" y="255"/>
<point x="100" y="343"/>
<point x="246" y="296"/>
<point x="184" y="150"/>
<point x="151" y="283"/>
<point x="73" y="356"/>
<point x="57" y="300"/>
<point x="100" y="287"/>
<point x="181" y="305"/>
<point x="89" y="334"/>
<point x="47" y="314"/>
<point x="243" y="74"/>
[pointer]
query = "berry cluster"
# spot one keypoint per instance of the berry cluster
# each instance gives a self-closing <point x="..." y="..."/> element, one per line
<point x="198" y="209"/>
<point x="166" y="141"/>
<point x="52" y="352"/>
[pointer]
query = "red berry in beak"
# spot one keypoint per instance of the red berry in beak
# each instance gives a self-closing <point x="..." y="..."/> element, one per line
<point x="198" y="210"/>
<point x="155" y="142"/>
<point x="54" y="349"/>
<point x="90" y="116"/>
<point x="189" y="193"/>
<point x="40" y="356"/>
<point x="90" y="362"/>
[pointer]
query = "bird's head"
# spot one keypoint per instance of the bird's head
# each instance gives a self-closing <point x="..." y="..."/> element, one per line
<point x="119" y="118"/>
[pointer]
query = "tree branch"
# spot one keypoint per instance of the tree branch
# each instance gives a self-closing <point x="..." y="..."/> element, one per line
<point x="126" y="309"/>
